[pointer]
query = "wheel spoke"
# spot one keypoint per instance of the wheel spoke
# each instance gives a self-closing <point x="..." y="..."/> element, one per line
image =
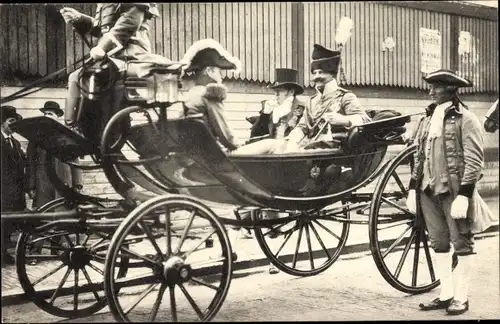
<point x="404" y="255"/>
<point x="428" y="257"/>
<point x="395" y="243"/>
<point x="191" y="301"/>
<point x="168" y="234"/>
<point x="206" y="237"/>
<point x="202" y="263"/>
<point x="173" y="305"/>
<point x="143" y="258"/>
<point x="157" y="303"/>
<point x="287" y="237"/>
<point x="393" y="204"/>
<point x="326" y="229"/>
<point x="97" y="243"/>
<point x="319" y="240"/>
<point x="308" y="239"/>
<point x="96" y="269"/>
<point x="275" y="228"/>
<point x="185" y="232"/>
<point x="294" y="261"/>
<point x="399" y="182"/>
<point x="61" y="283"/>
<point x="416" y="254"/>
<point x="86" y="240"/>
<point x="141" y="297"/>
<point x="87" y="277"/>
<point x="68" y="239"/>
<point x="397" y="223"/>
<point x="202" y="283"/>
<point x="75" y="291"/>
<point x="152" y="240"/>
<point x="48" y="274"/>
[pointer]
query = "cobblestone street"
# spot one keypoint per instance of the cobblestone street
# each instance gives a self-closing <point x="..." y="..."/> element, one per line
<point x="352" y="289"/>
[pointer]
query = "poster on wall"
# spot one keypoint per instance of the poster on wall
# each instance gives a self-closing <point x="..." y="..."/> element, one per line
<point x="468" y="52"/>
<point x="430" y="50"/>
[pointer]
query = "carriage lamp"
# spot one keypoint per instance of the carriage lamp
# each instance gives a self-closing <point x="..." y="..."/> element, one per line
<point x="163" y="87"/>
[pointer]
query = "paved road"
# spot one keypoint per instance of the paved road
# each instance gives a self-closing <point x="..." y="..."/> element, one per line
<point x="352" y="289"/>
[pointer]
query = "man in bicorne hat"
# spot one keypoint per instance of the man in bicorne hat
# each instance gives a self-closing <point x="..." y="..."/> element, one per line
<point x="13" y="176"/>
<point x="40" y="187"/>
<point x="281" y="114"/>
<point x="447" y="168"/>
<point x="205" y="60"/>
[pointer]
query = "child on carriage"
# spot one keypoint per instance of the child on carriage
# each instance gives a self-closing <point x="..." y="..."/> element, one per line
<point x="125" y="23"/>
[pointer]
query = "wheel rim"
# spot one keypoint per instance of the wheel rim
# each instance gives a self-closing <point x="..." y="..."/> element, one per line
<point x="306" y="246"/>
<point x="70" y="253"/>
<point x="176" y="258"/>
<point x="398" y="238"/>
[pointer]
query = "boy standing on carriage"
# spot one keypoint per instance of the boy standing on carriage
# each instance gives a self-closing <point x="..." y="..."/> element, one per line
<point x="448" y="165"/>
<point x="128" y="23"/>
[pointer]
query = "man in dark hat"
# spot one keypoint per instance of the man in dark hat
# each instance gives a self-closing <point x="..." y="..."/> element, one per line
<point x="13" y="176"/>
<point x="281" y="114"/>
<point x="446" y="180"/>
<point x="40" y="187"/>
<point x="331" y="103"/>
<point x="205" y="60"/>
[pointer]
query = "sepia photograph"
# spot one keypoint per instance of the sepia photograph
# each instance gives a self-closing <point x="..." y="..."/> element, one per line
<point x="249" y="161"/>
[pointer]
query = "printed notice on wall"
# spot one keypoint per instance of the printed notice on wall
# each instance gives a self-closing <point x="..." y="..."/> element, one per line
<point x="430" y="50"/>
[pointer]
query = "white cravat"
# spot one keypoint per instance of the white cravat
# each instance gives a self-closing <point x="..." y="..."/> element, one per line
<point x="283" y="109"/>
<point x="436" y="127"/>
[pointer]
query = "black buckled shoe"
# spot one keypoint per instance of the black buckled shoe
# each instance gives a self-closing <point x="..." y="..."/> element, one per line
<point x="435" y="304"/>
<point x="457" y="307"/>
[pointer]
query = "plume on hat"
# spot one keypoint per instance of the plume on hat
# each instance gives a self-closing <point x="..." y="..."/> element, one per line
<point x="344" y="29"/>
<point x="213" y="44"/>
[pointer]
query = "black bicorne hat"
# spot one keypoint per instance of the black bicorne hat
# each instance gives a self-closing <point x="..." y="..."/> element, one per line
<point x="447" y="78"/>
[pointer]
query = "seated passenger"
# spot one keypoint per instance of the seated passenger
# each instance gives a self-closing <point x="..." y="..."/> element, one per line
<point x="281" y="114"/>
<point x="205" y="59"/>
<point x="330" y="103"/>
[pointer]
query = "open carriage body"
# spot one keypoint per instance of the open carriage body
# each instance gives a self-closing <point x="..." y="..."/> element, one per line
<point x="181" y="165"/>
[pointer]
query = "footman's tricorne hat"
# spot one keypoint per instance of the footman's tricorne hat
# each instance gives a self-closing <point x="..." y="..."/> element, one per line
<point x="52" y="106"/>
<point x="208" y="52"/>
<point x="9" y="112"/>
<point x="325" y="59"/>
<point x="447" y="78"/>
<point x="287" y="79"/>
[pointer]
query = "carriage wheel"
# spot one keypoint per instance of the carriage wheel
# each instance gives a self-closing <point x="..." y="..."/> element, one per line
<point x="71" y="260"/>
<point x="398" y="238"/>
<point x="187" y="254"/>
<point x="306" y="246"/>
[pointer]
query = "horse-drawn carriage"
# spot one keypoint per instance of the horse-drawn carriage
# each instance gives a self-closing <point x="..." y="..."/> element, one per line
<point x="164" y="236"/>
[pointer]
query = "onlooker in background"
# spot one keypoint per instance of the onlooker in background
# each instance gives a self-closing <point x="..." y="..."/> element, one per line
<point x="13" y="176"/>
<point x="40" y="187"/>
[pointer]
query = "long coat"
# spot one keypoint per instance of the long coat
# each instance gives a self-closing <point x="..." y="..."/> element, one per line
<point x="263" y="123"/>
<point x="13" y="176"/>
<point x="38" y="179"/>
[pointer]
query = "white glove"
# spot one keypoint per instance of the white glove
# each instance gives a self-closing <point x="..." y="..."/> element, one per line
<point x="336" y="118"/>
<point x="97" y="53"/>
<point x="70" y="15"/>
<point x="459" y="207"/>
<point x="411" y="201"/>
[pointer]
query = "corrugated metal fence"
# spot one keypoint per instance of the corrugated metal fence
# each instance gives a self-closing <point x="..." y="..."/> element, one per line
<point x="267" y="35"/>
